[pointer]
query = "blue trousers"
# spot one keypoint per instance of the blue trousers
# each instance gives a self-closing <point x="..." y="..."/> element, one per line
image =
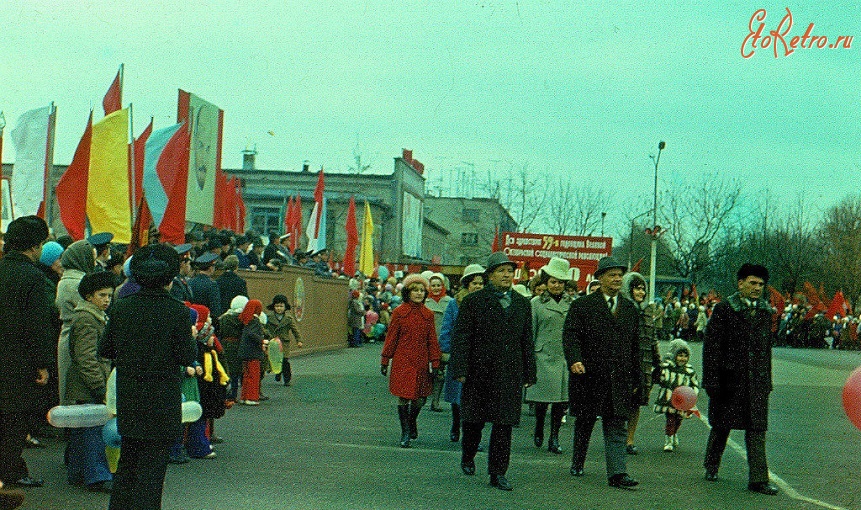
<point x="87" y="462"/>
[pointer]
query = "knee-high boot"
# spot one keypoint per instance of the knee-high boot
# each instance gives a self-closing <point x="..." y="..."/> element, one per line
<point x="540" y="413"/>
<point x="438" y="383"/>
<point x="286" y="372"/>
<point x="413" y="415"/>
<point x="403" y="414"/>
<point x="557" y="410"/>
<point x="454" y="436"/>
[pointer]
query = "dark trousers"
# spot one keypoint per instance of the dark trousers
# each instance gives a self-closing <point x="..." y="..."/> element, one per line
<point x="13" y="432"/>
<point x="614" y="442"/>
<point x="499" y="452"/>
<point x="139" y="480"/>
<point x="674" y="421"/>
<point x="754" y="440"/>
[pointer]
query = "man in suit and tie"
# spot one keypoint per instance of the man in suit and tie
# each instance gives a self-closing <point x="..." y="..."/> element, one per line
<point x="601" y="344"/>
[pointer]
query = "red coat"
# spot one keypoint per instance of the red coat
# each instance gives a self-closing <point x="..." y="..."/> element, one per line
<point x="411" y="344"/>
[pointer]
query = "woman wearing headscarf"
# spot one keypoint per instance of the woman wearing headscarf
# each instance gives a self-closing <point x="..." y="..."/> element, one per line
<point x="280" y="325"/>
<point x="229" y="333"/>
<point x="437" y="302"/>
<point x="471" y="281"/>
<point x="634" y="290"/>
<point x="78" y="260"/>
<point x="413" y="349"/>
<point x="251" y="351"/>
<point x="548" y="318"/>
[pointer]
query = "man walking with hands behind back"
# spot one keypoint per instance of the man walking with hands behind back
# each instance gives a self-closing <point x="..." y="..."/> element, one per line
<point x="737" y="375"/>
<point x="602" y="350"/>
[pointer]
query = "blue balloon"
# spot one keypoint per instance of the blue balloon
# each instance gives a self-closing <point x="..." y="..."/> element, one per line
<point x="383" y="273"/>
<point x="379" y="329"/>
<point x="111" y="435"/>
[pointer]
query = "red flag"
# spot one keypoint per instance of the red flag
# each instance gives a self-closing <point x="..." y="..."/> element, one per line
<point x="777" y="300"/>
<point x="352" y="239"/>
<point x="113" y="100"/>
<point x="143" y="217"/>
<point x="636" y="267"/>
<point x="694" y="295"/>
<point x="495" y="246"/>
<point x="837" y="306"/>
<point x="240" y="206"/>
<point x="288" y="217"/>
<point x="172" y="168"/>
<point x="297" y="224"/>
<point x="72" y="189"/>
<point x="137" y="178"/>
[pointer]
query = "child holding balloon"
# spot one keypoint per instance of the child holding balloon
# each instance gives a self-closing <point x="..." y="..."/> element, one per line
<point x="676" y="371"/>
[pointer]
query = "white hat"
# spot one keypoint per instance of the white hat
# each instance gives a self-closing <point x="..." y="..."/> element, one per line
<point x="427" y="274"/>
<point x="441" y="278"/>
<point x="471" y="270"/>
<point x="559" y="268"/>
<point x="521" y="289"/>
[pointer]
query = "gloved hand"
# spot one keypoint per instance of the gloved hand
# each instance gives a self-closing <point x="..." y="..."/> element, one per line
<point x="384" y="369"/>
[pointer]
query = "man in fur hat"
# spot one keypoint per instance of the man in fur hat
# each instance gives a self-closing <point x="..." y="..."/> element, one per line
<point x="737" y="375"/>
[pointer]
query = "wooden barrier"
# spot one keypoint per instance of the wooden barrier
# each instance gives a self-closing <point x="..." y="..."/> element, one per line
<point x="319" y="304"/>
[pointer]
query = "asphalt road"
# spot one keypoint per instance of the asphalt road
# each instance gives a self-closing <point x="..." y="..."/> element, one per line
<point x="331" y="441"/>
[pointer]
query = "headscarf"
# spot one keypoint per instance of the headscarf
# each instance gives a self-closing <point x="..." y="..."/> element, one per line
<point x="79" y="256"/>
<point x="237" y="304"/>
<point x="252" y="309"/>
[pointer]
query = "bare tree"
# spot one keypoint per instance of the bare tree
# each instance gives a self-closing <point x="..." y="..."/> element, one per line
<point x="528" y="197"/>
<point x="695" y="216"/>
<point x="841" y="235"/>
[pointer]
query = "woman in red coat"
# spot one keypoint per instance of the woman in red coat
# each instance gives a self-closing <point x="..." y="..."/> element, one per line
<point x="411" y="345"/>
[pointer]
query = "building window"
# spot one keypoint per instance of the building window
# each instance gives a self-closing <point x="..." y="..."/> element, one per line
<point x="470" y="215"/>
<point x="469" y="239"/>
<point x="266" y="219"/>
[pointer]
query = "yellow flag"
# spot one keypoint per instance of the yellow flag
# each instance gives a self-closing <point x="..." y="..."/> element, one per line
<point x="108" y="183"/>
<point x="366" y="255"/>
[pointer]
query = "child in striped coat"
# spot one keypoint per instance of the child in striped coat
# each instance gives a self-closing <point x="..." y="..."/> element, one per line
<point x="676" y="371"/>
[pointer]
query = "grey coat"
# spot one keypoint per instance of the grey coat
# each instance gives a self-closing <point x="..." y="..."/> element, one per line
<point x="609" y="348"/>
<point x="737" y="364"/>
<point x="492" y="349"/>
<point x="548" y="317"/>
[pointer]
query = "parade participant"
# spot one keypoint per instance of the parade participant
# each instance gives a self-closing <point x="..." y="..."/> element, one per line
<point x="548" y="317"/>
<point x="149" y="400"/>
<point x="676" y="371"/>
<point x="50" y="262"/>
<point x="634" y="290"/>
<point x="229" y="283"/>
<point x="102" y="243"/>
<point x="280" y="324"/>
<point x="737" y="375"/>
<point x="471" y="281"/>
<point x="437" y="301"/>
<point x="412" y="347"/>
<point x="251" y="352"/>
<point x="86" y="382"/>
<point x="204" y="290"/>
<point x="602" y="350"/>
<point x="27" y="340"/>
<point x="355" y="319"/>
<point x="180" y="288"/>
<point x="492" y="355"/>
<point x="78" y="260"/>
<point x="230" y="332"/>
<point x="243" y="244"/>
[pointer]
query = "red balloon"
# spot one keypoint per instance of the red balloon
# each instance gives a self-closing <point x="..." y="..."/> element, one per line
<point x="852" y="397"/>
<point x="684" y="398"/>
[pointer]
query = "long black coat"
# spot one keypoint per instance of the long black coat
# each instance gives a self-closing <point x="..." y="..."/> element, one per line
<point x="230" y="285"/>
<point x="149" y="336"/>
<point x="205" y="291"/>
<point x="737" y="364"/>
<point x="492" y="347"/>
<point x="609" y="348"/>
<point x="28" y="332"/>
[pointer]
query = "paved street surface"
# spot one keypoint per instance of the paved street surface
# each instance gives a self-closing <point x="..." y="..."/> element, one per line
<point x="331" y="441"/>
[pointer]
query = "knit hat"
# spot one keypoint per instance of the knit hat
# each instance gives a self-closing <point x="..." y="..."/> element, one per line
<point x="202" y="315"/>
<point x="25" y="232"/>
<point x="416" y="278"/>
<point x="51" y="252"/>
<point x="237" y="304"/>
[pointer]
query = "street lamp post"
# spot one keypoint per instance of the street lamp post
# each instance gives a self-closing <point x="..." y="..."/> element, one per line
<point x="603" y="215"/>
<point x="655" y="230"/>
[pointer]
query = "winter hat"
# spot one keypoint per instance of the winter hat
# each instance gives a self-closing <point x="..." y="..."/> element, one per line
<point x="25" y="233"/>
<point x="237" y="304"/>
<point x="95" y="281"/>
<point x="51" y="252"/>
<point x="469" y="272"/>
<point x="202" y="315"/>
<point x="427" y="274"/>
<point x="608" y="263"/>
<point x="559" y="268"/>
<point x="629" y="281"/>
<point x="676" y="346"/>
<point x="752" y="270"/>
<point x="497" y="259"/>
<point x="415" y="278"/>
<point x="522" y="290"/>
<point x="253" y="308"/>
<point x="441" y="278"/>
<point x="155" y="265"/>
<point x="192" y="315"/>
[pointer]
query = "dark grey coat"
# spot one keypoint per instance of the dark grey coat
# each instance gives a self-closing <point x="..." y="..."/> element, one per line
<point x="493" y="349"/>
<point x="737" y="364"/>
<point x="609" y="348"/>
<point x="149" y="336"/>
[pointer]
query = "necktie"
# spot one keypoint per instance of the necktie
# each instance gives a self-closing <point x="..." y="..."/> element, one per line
<point x="611" y="302"/>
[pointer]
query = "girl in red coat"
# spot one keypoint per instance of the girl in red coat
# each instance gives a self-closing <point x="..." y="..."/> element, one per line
<point x="411" y="345"/>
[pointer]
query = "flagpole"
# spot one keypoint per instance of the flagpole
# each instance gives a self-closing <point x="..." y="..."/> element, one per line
<point x="2" y="125"/>
<point x="49" y="163"/>
<point x="131" y="134"/>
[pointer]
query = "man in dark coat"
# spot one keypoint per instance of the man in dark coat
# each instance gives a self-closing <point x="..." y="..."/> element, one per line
<point x="492" y="355"/>
<point x="149" y="336"/>
<point x="28" y="341"/>
<point x="180" y="289"/>
<point x="230" y="284"/>
<point x="204" y="290"/>
<point x="737" y="375"/>
<point x="602" y="350"/>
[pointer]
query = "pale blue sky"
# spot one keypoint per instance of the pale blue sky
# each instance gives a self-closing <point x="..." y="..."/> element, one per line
<point x="582" y="91"/>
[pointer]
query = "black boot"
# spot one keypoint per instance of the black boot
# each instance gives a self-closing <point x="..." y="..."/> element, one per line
<point x="540" y="413"/>
<point x="454" y="436"/>
<point x="414" y="413"/>
<point x="556" y="413"/>
<point x="286" y="371"/>
<point x="437" y="391"/>
<point x="403" y="414"/>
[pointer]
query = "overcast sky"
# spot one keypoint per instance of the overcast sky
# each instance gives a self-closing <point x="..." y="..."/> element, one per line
<point x="582" y="91"/>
